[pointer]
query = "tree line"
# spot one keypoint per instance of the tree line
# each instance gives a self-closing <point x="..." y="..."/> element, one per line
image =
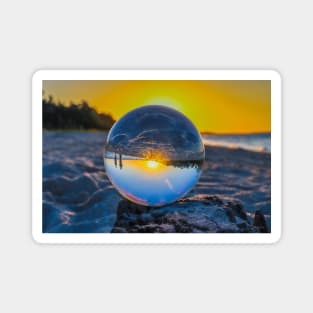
<point x="74" y="116"/>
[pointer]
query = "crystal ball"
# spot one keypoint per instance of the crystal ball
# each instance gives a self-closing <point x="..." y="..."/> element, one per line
<point x="153" y="155"/>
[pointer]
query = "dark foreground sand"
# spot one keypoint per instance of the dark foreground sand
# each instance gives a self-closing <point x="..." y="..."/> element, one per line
<point x="232" y="195"/>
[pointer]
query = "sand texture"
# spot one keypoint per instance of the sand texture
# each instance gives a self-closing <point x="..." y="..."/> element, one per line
<point x="232" y="195"/>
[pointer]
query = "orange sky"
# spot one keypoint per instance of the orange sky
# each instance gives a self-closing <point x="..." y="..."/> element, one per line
<point x="213" y="106"/>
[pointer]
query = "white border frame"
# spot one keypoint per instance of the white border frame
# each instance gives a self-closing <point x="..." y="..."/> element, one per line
<point x="114" y="238"/>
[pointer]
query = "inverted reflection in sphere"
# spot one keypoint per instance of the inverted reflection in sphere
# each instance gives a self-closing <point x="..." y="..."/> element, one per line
<point x="153" y="155"/>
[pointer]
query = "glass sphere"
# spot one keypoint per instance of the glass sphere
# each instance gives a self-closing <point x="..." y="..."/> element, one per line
<point x="153" y="155"/>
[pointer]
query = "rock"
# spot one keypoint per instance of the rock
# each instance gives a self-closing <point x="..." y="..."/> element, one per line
<point x="125" y="206"/>
<point x="237" y="210"/>
<point x="242" y="226"/>
<point x="230" y="215"/>
<point x="118" y="230"/>
<point x="199" y="214"/>
<point x="183" y="228"/>
<point x="259" y="222"/>
<point x="155" y="228"/>
<point x="214" y="200"/>
<point x="220" y="215"/>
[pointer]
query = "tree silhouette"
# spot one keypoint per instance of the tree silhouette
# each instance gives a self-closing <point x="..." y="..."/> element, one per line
<point x="75" y="116"/>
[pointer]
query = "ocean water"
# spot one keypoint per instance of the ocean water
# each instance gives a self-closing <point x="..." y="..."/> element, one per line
<point x="251" y="142"/>
<point x="152" y="183"/>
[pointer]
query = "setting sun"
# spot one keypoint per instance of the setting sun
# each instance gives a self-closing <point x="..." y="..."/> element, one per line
<point x="152" y="164"/>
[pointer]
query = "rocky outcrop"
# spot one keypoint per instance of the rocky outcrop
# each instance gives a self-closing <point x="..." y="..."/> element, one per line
<point x="198" y="214"/>
<point x="259" y="222"/>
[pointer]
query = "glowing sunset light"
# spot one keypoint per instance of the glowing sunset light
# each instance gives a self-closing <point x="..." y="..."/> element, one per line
<point x="152" y="164"/>
<point x="222" y="107"/>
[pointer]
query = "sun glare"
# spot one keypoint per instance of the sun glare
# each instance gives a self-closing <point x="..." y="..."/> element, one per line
<point x="152" y="164"/>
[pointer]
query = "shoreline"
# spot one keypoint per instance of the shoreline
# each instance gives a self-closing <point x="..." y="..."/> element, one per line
<point x="91" y="131"/>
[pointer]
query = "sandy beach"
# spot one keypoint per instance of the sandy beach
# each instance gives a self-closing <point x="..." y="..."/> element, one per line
<point x="232" y="195"/>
